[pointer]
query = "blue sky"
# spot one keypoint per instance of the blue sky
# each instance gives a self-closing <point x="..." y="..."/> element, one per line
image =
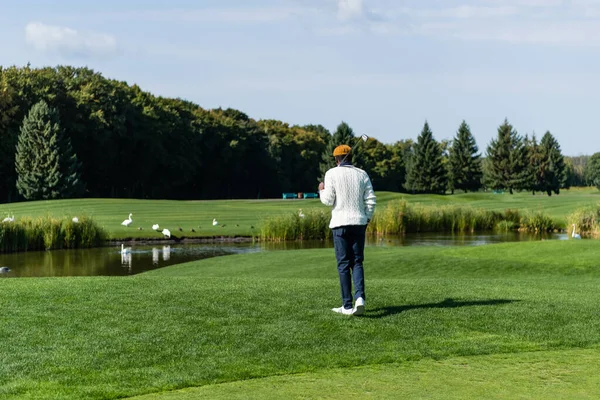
<point x="383" y="66"/>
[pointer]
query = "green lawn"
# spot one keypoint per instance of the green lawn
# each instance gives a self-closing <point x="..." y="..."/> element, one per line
<point x="240" y="216"/>
<point x="517" y="320"/>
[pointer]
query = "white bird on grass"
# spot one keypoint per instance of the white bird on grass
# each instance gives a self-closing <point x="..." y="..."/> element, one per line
<point x="76" y="220"/>
<point x="300" y="214"/>
<point x="9" y="218"/>
<point x="575" y="235"/>
<point x="215" y="223"/>
<point x="155" y="227"/>
<point x="128" y="221"/>
<point x="166" y="232"/>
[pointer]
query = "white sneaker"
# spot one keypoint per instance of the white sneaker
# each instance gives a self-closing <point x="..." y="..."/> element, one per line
<point x="342" y="310"/>
<point x="359" y="307"/>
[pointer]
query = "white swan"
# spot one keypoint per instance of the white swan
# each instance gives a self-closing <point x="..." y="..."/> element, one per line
<point x="215" y="223"/>
<point x="300" y="214"/>
<point x="128" y="221"/>
<point x="155" y="227"/>
<point x="575" y="235"/>
<point x="125" y="250"/>
<point x="76" y="220"/>
<point x="166" y="232"/>
<point x="9" y="218"/>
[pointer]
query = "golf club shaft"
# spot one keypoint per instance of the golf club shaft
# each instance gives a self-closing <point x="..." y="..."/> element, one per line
<point x="355" y="144"/>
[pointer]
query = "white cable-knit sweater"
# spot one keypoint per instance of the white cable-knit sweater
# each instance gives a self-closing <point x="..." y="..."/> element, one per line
<point x="348" y="189"/>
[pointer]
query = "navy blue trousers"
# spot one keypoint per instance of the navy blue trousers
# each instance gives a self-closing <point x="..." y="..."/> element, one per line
<point x="349" y="245"/>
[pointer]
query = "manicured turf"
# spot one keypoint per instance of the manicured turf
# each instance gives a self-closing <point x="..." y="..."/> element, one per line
<point x="239" y="216"/>
<point x="568" y="375"/>
<point x="268" y="314"/>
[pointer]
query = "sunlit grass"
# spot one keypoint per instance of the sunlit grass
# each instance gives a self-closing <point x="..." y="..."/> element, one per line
<point x="260" y="315"/>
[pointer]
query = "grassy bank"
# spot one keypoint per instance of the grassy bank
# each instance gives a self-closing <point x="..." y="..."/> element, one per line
<point x="259" y="315"/>
<point x="244" y="217"/>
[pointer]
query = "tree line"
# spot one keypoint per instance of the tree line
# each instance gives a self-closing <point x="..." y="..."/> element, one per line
<point x="70" y="132"/>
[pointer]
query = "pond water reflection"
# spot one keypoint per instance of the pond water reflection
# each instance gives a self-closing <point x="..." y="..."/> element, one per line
<point x="133" y="259"/>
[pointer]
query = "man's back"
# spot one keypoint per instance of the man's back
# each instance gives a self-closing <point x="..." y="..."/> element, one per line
<point x="348" y="189"/>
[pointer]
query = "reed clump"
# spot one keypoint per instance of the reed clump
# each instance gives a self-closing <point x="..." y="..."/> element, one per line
<point x="50" y="233"/>
<point x="313" y="225"/>
<point x="586" y="221"/>
<point x="400" y="217"/>
<point x="537" y="222"/>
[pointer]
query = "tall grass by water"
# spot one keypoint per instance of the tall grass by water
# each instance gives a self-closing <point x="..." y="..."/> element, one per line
<point x="50" y="233"/>
<point x="586" y="220"/>
<point x="312" y="225"/>
<point x="400" y="217"/>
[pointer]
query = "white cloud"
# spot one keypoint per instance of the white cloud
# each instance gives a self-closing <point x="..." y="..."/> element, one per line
<point x="69" y="42"/>
<point x="348" y="9"/>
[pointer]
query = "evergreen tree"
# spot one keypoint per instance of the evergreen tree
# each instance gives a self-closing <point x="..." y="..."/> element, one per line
<point x="8" y="139"/>
<point x="507" y="156"/>
<point x="552" y="165"/>
<point x="592" y="170"/>
<point x="426" y="173"/>
<point x="465" y="163"/>
<point x="342" y="135"/>
<point x="46" y="165"/>
<point x="534" y="164"/>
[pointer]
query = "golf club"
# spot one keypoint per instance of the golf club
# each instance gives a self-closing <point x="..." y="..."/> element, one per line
<point x="363" y="138"/>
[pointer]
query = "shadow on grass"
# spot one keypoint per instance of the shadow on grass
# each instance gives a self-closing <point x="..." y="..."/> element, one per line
<point x="382" y="312"/>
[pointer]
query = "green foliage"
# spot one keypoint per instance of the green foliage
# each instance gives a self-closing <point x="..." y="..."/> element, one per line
<point x="507" y="160"/>
<point x="552" y="165"/>
<point x="46" y="166"/>
<point x="296" y="153"/>
<point x="506" y="226"/>
<point x="537" y="222"/>
<point x="49" y="233"/>
<point x="314" y="225"/>
<point x="132" y="144"/>
<point x="592" y="170"/>
<point x="575" y="171"/>
<point x="8" y="139"/>
<point x="586" y="220"/>
<point x="399" y="217"/>
<point x="426" y="172"/>
<point x="342" y="135"/>
<point x="464" y="160"/>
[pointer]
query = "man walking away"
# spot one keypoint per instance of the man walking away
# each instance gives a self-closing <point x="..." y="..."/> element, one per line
<point x="349" y="191"/>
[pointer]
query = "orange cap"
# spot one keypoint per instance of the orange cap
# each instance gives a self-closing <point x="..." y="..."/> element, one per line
<point x="341" y="150"/>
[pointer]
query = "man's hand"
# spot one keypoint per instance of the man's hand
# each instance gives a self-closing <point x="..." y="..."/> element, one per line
<point x="321" y="186"/>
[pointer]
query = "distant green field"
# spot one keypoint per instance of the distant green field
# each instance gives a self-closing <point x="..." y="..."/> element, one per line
<point x="239" y="216"/>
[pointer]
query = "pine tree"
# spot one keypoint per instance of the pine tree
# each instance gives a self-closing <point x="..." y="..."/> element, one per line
<point x="45" y="163"/>
<point x="465" y="163"/>
<point x="553" y="165"/>
<point x="507" y="156"/>
<point x="534" y="164"/>
<point x="426" y="173"/>
<point x="342" y="135"/>
<point x="592" y="171"/>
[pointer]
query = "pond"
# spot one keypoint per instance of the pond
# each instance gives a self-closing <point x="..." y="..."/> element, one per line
<point x="112" y="261"/>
